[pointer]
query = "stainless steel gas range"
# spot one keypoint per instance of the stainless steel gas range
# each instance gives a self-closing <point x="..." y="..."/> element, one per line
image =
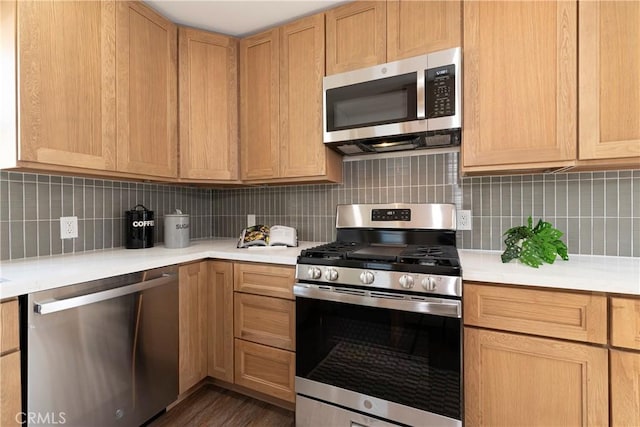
<point x="378" y="320"/>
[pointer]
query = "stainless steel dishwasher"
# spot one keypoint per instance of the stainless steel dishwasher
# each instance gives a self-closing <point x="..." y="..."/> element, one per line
<point x="103" y="353"/>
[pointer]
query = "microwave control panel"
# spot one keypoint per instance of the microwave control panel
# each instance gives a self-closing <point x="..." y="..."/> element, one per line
<point x="441" y="91"/>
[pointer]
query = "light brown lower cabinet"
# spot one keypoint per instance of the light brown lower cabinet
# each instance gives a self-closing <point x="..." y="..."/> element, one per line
<point x="192" y="297"/>
<point x="517" y="380"/>
<point x="10" y="386"/>
<point x="625" y="322"/>
<point x="220" y="320"/>
<point x="264" y="328"/>
<point x="265" y="320"/>
<point x="625" y="388"/>
<point x="10" y="402"/>
<point x="264" y="279"/>
<point x="265" y="369"/>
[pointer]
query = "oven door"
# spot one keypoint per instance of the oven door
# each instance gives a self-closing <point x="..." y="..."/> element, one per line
<point x="396" y="357"/>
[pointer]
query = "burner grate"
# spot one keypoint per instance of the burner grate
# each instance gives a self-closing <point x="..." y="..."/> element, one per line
<point x="417" y="258"/>
<point x="333" y="250"/>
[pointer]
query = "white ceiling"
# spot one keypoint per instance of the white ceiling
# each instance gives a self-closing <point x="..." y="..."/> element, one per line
<point x="239" y="17"/>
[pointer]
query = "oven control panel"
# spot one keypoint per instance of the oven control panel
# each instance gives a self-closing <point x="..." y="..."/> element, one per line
<point x="391" y="215"/>
<point x="422" y="283"/>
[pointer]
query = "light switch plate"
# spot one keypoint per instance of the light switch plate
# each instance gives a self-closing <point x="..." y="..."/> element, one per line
<point x="251" y="220"/>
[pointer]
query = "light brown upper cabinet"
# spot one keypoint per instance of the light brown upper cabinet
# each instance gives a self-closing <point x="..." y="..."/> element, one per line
<point x="281" y="74"/>
<point x="302" y="153"/>
<point x="356" y="36"/>
<point x="74" y="103"/>
<point x="146" y="78"/>
<point x="520" y="83"/>
<point x="609" y="76"/>
<point x="208" y="107"/>
<point x="67" y="87"/>
<point x="366" y="33"/>
<point x="259" y="88"/>
<point x="418" y="27"/>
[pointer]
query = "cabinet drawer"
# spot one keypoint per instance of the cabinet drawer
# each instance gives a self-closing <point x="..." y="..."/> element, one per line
<point x="625" y="322"/>
<point x="581" y="317"/>
<point x="10" y="394"/>
<point x="264" y="279"/>
<point x="265" y="369"/>
<point x="265" y="320"/>
<point x="625" y="388"/>
<point x="9" y="331"/>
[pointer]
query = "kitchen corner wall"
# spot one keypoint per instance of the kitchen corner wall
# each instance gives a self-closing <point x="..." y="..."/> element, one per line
<point x="599" y="212"/>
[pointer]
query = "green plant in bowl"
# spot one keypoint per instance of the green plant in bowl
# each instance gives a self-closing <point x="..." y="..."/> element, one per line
<point x="534" y="245"/>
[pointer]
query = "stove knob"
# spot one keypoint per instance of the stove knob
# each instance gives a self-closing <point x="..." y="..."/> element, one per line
<point x="331" y="274"/>
<point x="429" y="284"/>
<point x="314" y="273"/>
<point x="406" y="281"/>
<point x="367" y="277"/>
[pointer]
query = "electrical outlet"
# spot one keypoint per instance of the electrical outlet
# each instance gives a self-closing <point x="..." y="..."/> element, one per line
<point x="463" y="220"/>
<point x="68" y="227"/>
<point x="251" y="220"/>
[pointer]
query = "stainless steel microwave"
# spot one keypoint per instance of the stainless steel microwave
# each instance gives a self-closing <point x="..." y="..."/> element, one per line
<point x="403" y="105"/>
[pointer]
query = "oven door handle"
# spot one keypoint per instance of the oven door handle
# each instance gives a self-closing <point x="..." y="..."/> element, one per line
<point x="402" y="302"/>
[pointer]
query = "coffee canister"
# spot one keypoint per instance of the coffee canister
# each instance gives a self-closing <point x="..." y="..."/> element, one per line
<point x="139" y="226"/>
<point x="176" y="230"/>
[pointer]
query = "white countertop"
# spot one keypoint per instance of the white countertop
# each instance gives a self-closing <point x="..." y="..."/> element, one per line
<point x="35" y="274"/>
<point x="581" y="272"/>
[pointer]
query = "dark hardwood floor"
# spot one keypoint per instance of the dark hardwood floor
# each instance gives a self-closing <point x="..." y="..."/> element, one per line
<point x="214" y="406"/>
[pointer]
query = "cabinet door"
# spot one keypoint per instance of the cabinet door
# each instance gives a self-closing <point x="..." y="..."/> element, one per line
<point x="10" y="395"/>
<point x="67" y="89"/>
<point x="625" y="322"/>
<point x="625" y="388"/>
<point x="265" y="320"/>
<point x="356" y="36"/>
<point x="208" y="105"/>
<point x="193" y="324"/>
<point x="609" y="67"/>
<point x="518" y="380"/>
<point x="220" y="320"/>
<point x="265" y="369"/>
<point x="520" y="85"/>
<point x="301" y="70"/>
<point x="259" y="116"/>
<point x="264" y="279"/>
<point x="147" y="113"/>
<point x="9" y="326"/>
<point x="419" y="27"/>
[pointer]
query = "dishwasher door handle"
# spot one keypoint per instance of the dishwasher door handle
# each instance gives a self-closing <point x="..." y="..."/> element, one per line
<point x="65" y="304"/>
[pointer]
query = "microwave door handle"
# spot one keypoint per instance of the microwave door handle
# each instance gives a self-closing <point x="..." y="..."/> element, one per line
<point x="420" y="95"/>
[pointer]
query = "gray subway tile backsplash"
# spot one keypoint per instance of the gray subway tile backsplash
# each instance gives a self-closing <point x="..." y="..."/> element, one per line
<point x="31" y="205"/>
<point x="598" y="212"/>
